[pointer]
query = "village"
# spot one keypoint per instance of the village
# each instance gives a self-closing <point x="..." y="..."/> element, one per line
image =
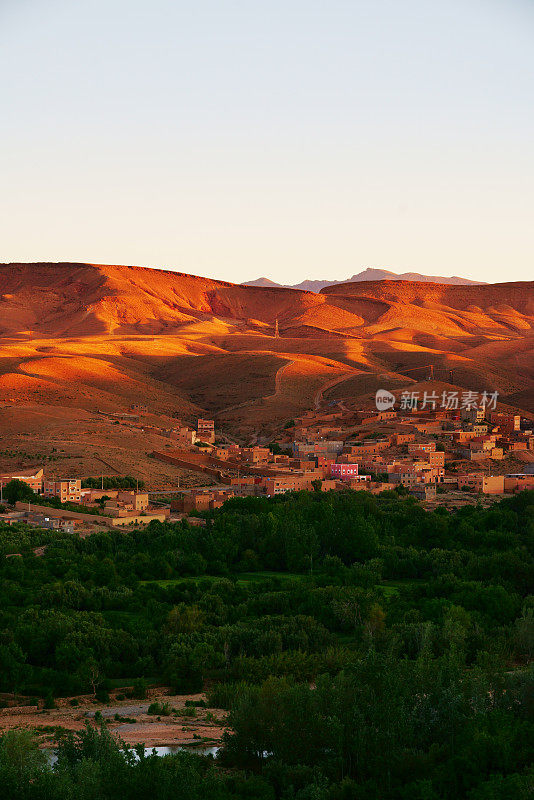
<point x="441" y="456"/>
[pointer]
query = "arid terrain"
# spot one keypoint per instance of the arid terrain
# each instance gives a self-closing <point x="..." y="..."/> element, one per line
<point x="77" y="340"/>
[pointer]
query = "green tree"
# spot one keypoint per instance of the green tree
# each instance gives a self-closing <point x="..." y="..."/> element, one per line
<point x="185" y="619"/>
<point x="17" y="491"/>
<point x="12" y="666"/>
<point x="21" y="763"/>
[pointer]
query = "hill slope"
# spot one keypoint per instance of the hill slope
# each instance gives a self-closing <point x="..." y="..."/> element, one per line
<point x="103" y="337"/>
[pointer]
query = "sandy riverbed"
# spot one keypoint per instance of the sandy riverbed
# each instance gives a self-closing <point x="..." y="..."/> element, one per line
<point x="133" y="725"/>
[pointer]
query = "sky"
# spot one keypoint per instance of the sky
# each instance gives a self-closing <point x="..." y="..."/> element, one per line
<point x="291" y="139"/>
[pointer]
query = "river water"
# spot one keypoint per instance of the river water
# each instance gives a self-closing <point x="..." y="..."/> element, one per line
<point x="159" y="751"/>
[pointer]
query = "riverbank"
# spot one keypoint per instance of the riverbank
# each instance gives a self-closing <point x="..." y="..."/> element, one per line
<point x="180" y="723"/>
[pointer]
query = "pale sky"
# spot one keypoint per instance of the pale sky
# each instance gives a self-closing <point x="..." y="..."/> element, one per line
<point x="288" y="138"/>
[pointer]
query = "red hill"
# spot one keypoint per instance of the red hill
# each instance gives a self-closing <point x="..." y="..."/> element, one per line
<point x="88" y="335"/>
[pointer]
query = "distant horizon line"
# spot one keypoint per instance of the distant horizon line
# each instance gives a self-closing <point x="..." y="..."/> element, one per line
<point x="294" y="287"/>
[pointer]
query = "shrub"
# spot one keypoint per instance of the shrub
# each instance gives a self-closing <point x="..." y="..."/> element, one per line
<point x="223" y="695"/>
<point x="139" y="689"/>
<point x="159" y="709"/>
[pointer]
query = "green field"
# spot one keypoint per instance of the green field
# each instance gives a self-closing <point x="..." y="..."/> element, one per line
<point x="241" y="578"/>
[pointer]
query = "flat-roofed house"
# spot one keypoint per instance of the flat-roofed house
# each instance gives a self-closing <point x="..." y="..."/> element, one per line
<point x="206" y="430"/>
<point x="33" y="478"/>
<point x="68" y="490"/>
<point x="518" y="481"/>
<point x="487" y="484"/>
<point x="347" y="472"/>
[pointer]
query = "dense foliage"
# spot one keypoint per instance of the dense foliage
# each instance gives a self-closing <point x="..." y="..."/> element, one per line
<point x="365" y="648"/>
<point x="91" y="766"/>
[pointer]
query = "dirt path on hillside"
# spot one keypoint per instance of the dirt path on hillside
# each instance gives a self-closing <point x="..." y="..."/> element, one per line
<point x="276" y="393"/>
<point x="318" y="397"/>
<point x="278" y="381"/>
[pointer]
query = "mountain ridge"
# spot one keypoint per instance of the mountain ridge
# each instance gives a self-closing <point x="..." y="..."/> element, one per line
<point x="368" y="274"/>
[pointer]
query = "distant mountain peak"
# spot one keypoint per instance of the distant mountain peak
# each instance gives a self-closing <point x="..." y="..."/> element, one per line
<point x="368" y="274"/>
<point x="261" y="282"/>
